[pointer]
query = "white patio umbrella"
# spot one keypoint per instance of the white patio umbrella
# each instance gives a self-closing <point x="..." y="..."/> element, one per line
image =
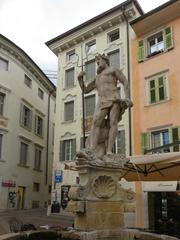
<point x="153" y="167"/>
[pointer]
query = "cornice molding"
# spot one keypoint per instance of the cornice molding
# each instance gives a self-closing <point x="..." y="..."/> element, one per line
<point x="68" y="135"/>
<point x="20" y="57"/>
<point x="85" y="33"/>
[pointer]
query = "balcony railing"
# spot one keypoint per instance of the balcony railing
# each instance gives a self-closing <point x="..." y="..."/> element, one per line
<point x="171" y="147"/>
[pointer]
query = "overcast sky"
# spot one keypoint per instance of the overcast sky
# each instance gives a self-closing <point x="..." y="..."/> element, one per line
<point x="31" y="23"/>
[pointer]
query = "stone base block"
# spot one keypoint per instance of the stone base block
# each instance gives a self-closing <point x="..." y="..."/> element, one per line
<point x="76" y="206"/>
<point x="101" y="215"/>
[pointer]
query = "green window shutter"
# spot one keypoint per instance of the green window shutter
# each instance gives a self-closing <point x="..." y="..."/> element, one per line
<point x="165" y="86"/>
<point x="62" y="151"/>
<point x="161" y="91"/>
<point x="141" y="51"/>
<point x="152" y="91"/>
<point x="145" y="141"/>
<point x="157" y="89"/>
<point x="168" y="38"/>
<point x="175" y="133"/>
<point x="73" y="152"/>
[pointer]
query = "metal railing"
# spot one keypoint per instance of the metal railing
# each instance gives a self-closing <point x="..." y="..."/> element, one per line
<point x="164" y="148"/>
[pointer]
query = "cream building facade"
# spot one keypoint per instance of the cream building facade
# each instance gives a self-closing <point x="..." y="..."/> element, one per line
<point x="27" y="101"/>
<point x="106" y="33"/>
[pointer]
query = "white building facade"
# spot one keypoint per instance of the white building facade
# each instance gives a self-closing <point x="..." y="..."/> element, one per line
<point x="106" y="33"/>
<point x="27" y="101"/>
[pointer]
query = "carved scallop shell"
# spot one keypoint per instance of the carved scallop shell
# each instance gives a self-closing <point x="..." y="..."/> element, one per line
<point x="104" y="187"/>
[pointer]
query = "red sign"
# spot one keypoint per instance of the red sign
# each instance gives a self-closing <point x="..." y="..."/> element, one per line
<point x="9" y="183"/>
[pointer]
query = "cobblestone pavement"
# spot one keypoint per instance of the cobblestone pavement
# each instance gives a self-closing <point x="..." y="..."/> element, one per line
<point x="37" y="217"/>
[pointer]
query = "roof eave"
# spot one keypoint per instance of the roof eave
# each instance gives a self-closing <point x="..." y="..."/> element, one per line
<point x="92" y="20"/>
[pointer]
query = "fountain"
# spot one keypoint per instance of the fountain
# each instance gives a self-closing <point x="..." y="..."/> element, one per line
<point x="99" y="201"/>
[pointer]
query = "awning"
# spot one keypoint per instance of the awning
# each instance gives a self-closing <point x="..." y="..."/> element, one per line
<point x="153" y="167"/>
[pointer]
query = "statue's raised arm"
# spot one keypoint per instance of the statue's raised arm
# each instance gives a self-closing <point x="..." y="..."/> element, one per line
<point x="90" y="86"/>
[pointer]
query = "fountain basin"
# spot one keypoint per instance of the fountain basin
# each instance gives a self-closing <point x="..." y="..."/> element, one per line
<point x="121" y="234"/>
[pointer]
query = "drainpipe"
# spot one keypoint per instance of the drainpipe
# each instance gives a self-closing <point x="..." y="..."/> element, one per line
<point x="138" y="186"/>
<point x="47" y="143"/>
<point x="129" y="78"/>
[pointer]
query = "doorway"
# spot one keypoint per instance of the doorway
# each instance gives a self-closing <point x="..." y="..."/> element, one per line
<point x="20" y="197"/>
<point x="164" y="213"/>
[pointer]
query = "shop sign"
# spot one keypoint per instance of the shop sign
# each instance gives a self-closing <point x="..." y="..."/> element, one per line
<point x="8" y="183"/>
<point x="58" y="176"/>
<point x="160" y="186"/>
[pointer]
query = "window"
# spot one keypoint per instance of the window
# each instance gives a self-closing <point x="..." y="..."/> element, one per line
<point x="37" y="161"/>
<point x="114" y="59"/>
<point x="69" y="111"/>
<point x="91" y="47"/>
<point x="2" y="98"/>
<point x="113" y="36"/>
<point x="23" y="154"/>
<point x="39" y="125"/>
<point x="27" y="81"/>
<point x="36" y="187"/>
<point x="90" y="69"/>
<point x="3" y="64"/>
<point x="40" y="93"/>
<point x="35" y="204"/>
<point x="119" y="146"/>
<point x="71" y="56"/>
<point x="26" y="117"/>
<point x="158" y="139"/>
<point x="67" y="149"/>
<point x="1" y="143"/>
<point x="89" y="105"/>
<point x="156" y="43"/>
<point x="69" y="78"/>
<point x="157" y="88"/>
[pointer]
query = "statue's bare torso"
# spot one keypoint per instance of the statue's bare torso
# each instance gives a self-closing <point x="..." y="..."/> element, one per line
<point x="106" y="85"/>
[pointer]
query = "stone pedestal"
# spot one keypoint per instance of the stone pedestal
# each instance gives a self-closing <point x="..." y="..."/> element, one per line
<point x="100" y="215"/>
<point x="99" y="201"/>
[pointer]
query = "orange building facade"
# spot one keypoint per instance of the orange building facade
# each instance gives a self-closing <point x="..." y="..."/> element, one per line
<point x="156" y="98"/>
